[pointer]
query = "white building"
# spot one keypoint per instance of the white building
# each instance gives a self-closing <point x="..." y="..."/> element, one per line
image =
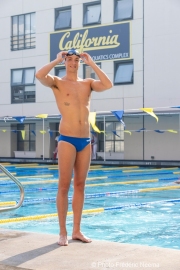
<point x="136" y="42"/>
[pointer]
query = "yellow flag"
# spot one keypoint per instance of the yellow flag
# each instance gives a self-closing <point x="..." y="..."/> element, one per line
<point x="173" y="131"/>
<point x="42" y="131"/>
<point x="42" y="115"/>
<point x="3" y="130"/>
<point x="23" y="134"/>
<point x="92" y="120"/>
<point x="149" y="111"/>
<point x="127" y="131"/>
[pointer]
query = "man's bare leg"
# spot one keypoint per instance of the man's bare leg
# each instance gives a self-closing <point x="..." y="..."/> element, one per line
<point x="81" y="168"/>
<point x="66" y="159"/>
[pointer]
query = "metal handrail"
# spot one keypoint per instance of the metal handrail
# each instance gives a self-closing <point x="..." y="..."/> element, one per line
<point x="20" y="187"/>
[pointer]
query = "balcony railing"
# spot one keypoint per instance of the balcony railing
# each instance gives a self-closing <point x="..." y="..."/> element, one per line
<point x="22" y="42"/>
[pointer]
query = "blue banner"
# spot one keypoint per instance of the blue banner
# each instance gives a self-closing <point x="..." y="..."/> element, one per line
<point x="105" y="42"/>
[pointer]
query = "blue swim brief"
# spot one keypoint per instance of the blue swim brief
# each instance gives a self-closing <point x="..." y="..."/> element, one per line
<point x="78" y="143"/>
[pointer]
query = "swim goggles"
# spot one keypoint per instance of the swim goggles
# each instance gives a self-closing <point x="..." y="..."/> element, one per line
<point x="73" y="52"/>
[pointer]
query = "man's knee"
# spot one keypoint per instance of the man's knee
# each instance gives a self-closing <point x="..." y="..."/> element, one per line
<point x="63" y="189"/>
<point x="79" y="185"/>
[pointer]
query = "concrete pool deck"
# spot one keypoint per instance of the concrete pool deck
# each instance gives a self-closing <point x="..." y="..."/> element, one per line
<point x="35" y="251"/>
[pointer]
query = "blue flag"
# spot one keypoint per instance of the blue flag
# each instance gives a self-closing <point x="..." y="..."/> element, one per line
<point x="119" y="115"/>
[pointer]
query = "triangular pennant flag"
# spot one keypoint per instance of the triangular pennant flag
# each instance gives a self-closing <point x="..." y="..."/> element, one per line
<point x="50" y="133"/>
<point x="3" y="130"/>
<point x="139" y="130"/>
<point x="42" y="115"/>
<point x="127" y="131"/>
<point x="42" y="131"/>
<point x="20" y="119"/>
<point x="171" y="130"/>
<point x="177" y="107"/>
<point x="33" y="132"/>
<point x="149" y="111"/>
<point x="158" y="131"/>
<point x="23" y="134"/>
<point x="93" y="132"/>
<point x="92" y="120"/>
<point x="115" y="133"/>
<point x="119" y="115"/>
<point x="15" y="131"/>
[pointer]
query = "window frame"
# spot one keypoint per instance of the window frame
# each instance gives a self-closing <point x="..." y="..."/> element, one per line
<point x="29" y="141"/>
<point x="116" y="65"/>
<point x="23" y="85"/>
<point x="56" y="13"/>
<point x="57" y="70"/>
<point x="85" y="6"/>
<point x="32" y="35"/>
<point x="115" y="138"/>
<point x="84" y="70"/>
<point x="125" y="19"/>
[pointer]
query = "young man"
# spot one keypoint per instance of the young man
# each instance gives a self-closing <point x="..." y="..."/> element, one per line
<point x="72" y="96"/>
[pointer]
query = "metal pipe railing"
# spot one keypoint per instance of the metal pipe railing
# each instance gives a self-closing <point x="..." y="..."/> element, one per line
<point x="20" y="187"/>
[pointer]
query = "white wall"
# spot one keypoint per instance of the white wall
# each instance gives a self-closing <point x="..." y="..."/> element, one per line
<point x="162" y="58"/>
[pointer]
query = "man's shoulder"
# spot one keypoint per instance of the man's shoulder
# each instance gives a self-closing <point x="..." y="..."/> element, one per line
<point x="88" y="80"/>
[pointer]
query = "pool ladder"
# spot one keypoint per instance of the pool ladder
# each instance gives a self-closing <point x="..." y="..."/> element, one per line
<point x="20" y="187"/>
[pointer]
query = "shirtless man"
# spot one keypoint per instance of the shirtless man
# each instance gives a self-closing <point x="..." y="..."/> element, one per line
<point x="72" y="96"/>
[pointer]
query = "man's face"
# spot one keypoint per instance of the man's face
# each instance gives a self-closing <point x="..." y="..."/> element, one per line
<point x="72" y="62"/>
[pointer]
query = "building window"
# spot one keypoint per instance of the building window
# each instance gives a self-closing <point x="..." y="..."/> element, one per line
<point x="28" y="143"/>
<point x="60" y="72"/>
<point x="123" y="10"/>
<point x="113" y="143"/>
<point x="123" y="72"/>
<point x="92" y="13"/>
<point x="88" y="72"/>
<point x="23" y="85"/>
<point x="23" y="32"/>
<point x="62" y="18"/>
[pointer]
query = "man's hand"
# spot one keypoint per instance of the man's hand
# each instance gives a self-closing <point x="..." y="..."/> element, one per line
<point x="86" y="58"/>
<point x="61" y="56"/>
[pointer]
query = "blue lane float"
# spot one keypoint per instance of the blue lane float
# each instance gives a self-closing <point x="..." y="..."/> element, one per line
<point x="136" y="205"/>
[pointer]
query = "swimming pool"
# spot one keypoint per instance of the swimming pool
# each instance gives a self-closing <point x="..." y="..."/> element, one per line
<point x="132" y="205"/>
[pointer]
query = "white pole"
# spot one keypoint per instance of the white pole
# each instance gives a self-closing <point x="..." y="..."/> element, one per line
<point x="43" y="138"/>
<point x="104" y="138"/>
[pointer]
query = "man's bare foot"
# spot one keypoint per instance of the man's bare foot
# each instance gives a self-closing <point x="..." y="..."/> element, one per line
<point x="80" y="236"/>
<point x="63" y="240"/>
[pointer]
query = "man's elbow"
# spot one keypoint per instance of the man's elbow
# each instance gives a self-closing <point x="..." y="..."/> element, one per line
<point x="38" y="75"/>
<point x="110" y="85"/>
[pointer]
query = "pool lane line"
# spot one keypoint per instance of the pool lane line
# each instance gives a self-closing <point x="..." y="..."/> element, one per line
<point x="19" y="164"/>
<point x="5" y="163"/>
<point x="54" y="181"/>
<point x="29" y="176"/>
<point x="122" y="183"/>
<point x="49" y="181"/>
<point x="33" y="167"/>
<point x="8" y="203"/>
<point x="159" y="188"/>
<point x="90" y="211"/>
<point x="103" y="168"/>
<point x="89" y="196"/>
<point x="3" y="174"/>
<point x="87" y="185"/>
<point x="148" y="170"/>
<point x="96" y="178"/>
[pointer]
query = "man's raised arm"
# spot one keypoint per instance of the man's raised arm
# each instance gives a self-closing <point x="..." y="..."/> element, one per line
<point x="43" y="74"/>
<point x="104" y="82"/>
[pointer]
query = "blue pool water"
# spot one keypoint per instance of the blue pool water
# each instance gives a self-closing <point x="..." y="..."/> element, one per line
<point x="153" y="224"/>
